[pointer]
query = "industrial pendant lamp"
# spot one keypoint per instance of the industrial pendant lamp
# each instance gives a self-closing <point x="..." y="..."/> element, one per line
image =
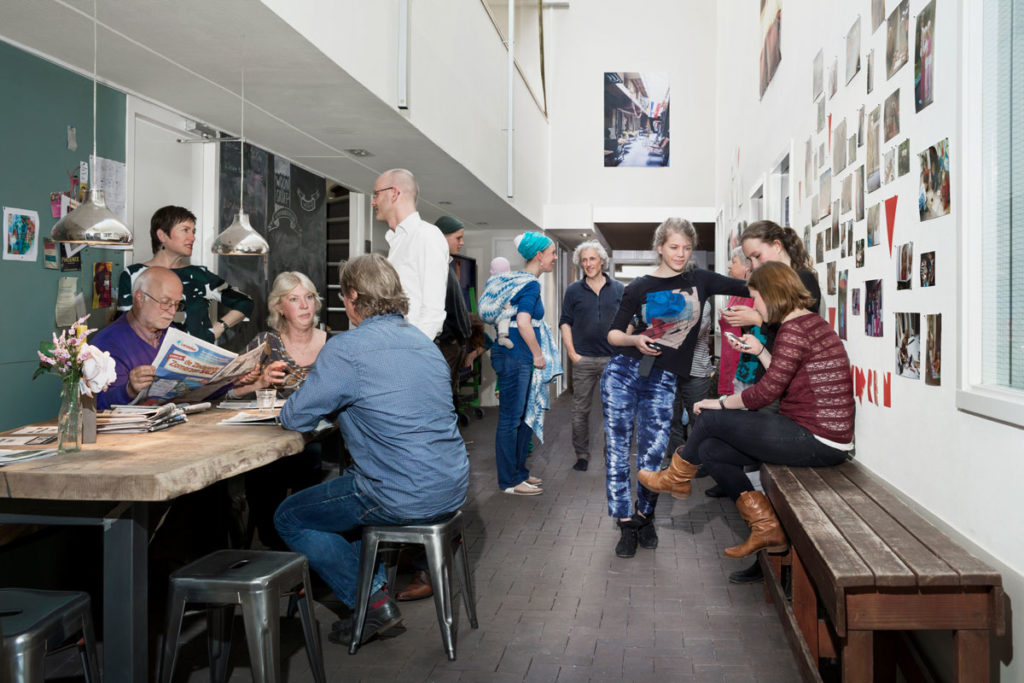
<point x="239" y="238"/>
<point x="92" y="222"/>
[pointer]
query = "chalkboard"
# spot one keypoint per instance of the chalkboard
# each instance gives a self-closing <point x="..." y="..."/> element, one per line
<point x="287" y="205"/>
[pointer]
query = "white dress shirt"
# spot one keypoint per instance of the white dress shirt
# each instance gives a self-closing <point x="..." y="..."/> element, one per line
<point x="419" y="252"/>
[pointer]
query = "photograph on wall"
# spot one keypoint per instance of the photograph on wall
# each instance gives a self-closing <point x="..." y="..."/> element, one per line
<point x="873" y="308"/>
<point x="896" y="37"/>
<point x="889" y="166"/>
<point x="819" y="247"/>
<point x="842" y="239"/>
<point x="807" y="239"/>
<point x="821" y="115"/>
<point x="838" y="147"/>
<point x="828" y="239"/>
<point x="903" y="162"/>
<point x="833" y="77"/>
<point x="924" y="57"/>
<point x="825" y="194"/>
<point x="636" y="118"/>
<point x="871" y="154"/>
<point x="835" y="224"/>
<point x="877" y="14"/>
<point x="904" y="265"/>
<point x="847" y="195"/>
<point x="771" y="40"/>
<point x="851" y="149"/>
<point x="908" y="345"/>
<point x="933" y="350"/>
<point x="817" y="77"/>
<point x="101" y="276"/>
<point x="855" y="301"/>
<point x="821" y="157"/>
<point x="21" y="234"/>
<point x="849" y="238"/>
<point x="891" y="116"/>
<point x="869" y="77"/>
<point x="853" y="51"/>
<point x="858" y="193"/>
<point x="831" y="271"/>
<point x="859" y="254"/>
<point x="933" y="197"/>
<point x="928" y="269"/>
<point x="809" y="169"/>
<point x="843" y="283"/>
<point x="873" y="212"/>
<point x="861" y="118"/>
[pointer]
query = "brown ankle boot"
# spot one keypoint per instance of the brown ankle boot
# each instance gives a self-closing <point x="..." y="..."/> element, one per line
<point x="765" y="531"/>
<point x="674" y="480"/>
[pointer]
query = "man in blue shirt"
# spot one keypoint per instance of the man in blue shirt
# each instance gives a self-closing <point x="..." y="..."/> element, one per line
<point x="587" y="311"/>
<point x="409" y="461"/>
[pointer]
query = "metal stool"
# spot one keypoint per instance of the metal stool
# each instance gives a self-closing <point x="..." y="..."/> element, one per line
<point x="256" y="580"/>
<point x="34" y="623"/>
<point x="437" y="540"/>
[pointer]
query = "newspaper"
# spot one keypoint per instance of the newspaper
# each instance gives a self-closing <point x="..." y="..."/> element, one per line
<point x="189" y="369"/>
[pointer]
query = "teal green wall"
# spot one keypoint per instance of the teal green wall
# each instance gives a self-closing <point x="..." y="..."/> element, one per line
<point x="41" y="101"/>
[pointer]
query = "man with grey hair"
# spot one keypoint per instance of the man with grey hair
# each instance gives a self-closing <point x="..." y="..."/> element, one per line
<point x="589" y="305"/>
<point x="417" y="249"/>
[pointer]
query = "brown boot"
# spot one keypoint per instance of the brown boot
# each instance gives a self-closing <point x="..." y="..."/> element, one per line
<point x="674" y="480"/>
<point x="765" y="531"/>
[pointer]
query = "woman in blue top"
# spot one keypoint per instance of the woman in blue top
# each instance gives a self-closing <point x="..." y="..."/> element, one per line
<point x="655" y="330"/>
<point x="518" y="413"/>
<point x="173" y="232"/>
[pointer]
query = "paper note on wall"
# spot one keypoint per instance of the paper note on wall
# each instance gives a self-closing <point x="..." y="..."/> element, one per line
<point x="65" y="311"/>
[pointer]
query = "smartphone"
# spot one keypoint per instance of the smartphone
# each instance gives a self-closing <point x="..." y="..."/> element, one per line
<point x="733" y="337"/>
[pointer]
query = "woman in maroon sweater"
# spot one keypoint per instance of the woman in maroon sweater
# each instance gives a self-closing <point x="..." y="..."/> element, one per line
<point x="807" y="369"/>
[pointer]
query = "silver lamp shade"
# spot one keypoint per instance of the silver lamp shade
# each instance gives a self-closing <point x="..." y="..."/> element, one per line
<point x="240" y="239"/>
<point x="93" y="223"/>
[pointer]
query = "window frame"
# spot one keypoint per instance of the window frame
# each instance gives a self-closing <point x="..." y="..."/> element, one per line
<point x="989" y="401"/>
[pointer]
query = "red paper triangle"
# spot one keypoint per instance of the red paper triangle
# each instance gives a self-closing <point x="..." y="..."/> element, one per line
<point x="860" y="385"/>
<point x="830" y="138"/>
<point x="871" y="375"/>
<point x="887" y="387"/>
<point x="890" y="217"/>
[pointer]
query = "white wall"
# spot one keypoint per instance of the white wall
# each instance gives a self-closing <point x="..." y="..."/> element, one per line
<point x="457" y="81"/>
<point x="962" y="468"/>
<point x="595" y="36"/>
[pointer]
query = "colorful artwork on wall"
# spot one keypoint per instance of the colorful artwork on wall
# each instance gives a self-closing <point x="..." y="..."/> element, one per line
<point x="871" y="155"/>
<point x="891" y="117"/>
<point x="101" y="276"/>
<point x="855" y="301"/>
<point x="873" y="308"/>
<point x="830" y="270"/>
<point x="896" y="37"/>
<point x="873" y="226"/>
<point x="928" y="269"/>
<point x="903" y="160"/>
<point x="933" y="350"/>
<point x="843" y="283"/>
<point x="904" y="265"/>
<point x="853" y="51"/>
<point x="858" y="193"/>
<point x="934" y="195"/>
<point x="859" y="254"/>
<point x="924" y="57"/>
<point x="636" y="119"/>
<point x="908" y="345"/>
<point x="771" y="40"/>
<point x="21" y="234"/>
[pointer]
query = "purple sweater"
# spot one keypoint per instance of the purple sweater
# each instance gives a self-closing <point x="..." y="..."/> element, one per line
<point x="129" y="350"/>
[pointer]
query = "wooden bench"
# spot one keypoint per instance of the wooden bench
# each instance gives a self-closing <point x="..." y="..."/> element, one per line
<point x="864" y="567"/>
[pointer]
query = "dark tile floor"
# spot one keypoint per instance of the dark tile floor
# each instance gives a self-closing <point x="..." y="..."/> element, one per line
<point x="553" y="600"/>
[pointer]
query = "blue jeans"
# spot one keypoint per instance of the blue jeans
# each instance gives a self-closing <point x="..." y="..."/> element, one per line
<point x="512" y="440"/>
<point x="725" y="441"/>
<point x="627" y="397"/>
<point x="311" y="522"/>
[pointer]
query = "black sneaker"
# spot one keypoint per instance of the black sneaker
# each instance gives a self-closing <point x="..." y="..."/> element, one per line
<point x="646" y="534"/>
<point x="382" y="620"/>
<point x="751" y="574"/>
<point x="626" y="547"/>
<point x="581" y="465"/>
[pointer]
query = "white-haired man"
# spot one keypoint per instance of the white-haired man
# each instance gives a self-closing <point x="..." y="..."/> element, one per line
<point x="417" y="249"/>
<point x="589" y="305"/>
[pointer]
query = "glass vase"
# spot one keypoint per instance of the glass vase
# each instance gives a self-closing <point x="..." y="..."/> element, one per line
<point x="69" y="420"/>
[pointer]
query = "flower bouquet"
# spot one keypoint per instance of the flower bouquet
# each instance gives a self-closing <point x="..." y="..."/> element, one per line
<point x="84" y="370"/>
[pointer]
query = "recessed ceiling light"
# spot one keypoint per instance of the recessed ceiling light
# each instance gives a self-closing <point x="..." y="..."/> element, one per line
<point x="584" y="234"/>
<point x="359" y="152"/>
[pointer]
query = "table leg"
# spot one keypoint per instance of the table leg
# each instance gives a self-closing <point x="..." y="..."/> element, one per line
<point x="970" y="656"/>
<point x="858" y="657"/>
<point x="125" y="598"/>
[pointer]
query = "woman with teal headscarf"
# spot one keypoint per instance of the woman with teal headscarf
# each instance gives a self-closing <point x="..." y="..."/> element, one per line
<point x="524" y="369"/>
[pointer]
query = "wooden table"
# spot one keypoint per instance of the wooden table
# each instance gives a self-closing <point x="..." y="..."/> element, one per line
<point x="110" y="484"/>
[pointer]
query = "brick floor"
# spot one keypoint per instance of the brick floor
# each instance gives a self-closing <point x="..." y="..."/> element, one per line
<point x="553" y="600"/>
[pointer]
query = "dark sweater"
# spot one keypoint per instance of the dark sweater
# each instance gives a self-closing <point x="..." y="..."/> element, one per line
<point x="810" y="371"/>
<point x="668" y="310"/>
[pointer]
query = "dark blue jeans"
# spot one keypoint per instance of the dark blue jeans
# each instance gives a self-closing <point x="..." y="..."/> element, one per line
<point x="725" y="441"/>
<point x="512" y="440"/>
<point x="311" y="522"/>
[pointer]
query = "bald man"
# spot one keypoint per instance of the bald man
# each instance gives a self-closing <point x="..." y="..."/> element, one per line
<point x="417" y="249"/>
<point x="134" y="339"/>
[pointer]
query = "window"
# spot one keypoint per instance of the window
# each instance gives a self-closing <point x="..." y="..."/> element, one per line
<point x="991" y="380"/>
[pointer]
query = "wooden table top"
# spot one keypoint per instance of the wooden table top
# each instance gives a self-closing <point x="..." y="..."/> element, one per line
<point x="151" y="467"/>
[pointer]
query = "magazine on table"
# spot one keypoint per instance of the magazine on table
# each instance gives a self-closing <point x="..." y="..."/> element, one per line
<point x="246" y="418"/>
<point x="189" y="369"/>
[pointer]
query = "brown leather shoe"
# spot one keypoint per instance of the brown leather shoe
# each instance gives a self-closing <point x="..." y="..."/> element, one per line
<point x="675" y="480"/>
<point x="765" y="531"/>
<point x="420" y="587"/>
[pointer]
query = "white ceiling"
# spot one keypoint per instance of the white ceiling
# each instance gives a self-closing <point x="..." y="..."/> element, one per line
<point x="188" y="55"/>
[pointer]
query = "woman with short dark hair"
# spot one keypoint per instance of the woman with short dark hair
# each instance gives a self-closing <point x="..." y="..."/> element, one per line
<point x="807" y="369"/>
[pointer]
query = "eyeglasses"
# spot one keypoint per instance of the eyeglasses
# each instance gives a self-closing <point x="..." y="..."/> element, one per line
<point x="383" y="189"/>
<point x="178" y="305"/>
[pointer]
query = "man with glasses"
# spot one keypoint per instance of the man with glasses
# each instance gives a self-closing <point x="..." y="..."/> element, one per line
<point x="134" y="339"/>
<point x="417" y="249"/>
